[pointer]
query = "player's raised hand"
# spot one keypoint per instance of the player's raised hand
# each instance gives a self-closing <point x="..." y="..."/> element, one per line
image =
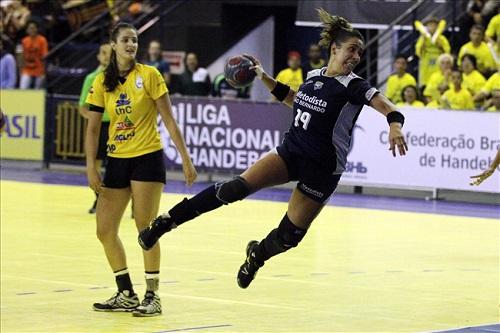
<point x="397" y="139"/>
<point x="259" y="71"/>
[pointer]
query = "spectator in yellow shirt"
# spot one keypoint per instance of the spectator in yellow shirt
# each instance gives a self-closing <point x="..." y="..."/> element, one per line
<point x="477" y="47"/>
<point x="490" y="85"/>
<point x="410" y="97"/>
<point x="292" y="76"/>
<point x="428" y="52"/>
<point x="439" y="81"/>
<point x="493" y="29"/>
<point x="457" y="97"/>
<point x="472" y="79"/>
<point x="495" y="101"/>
<point x="399" y="79"/>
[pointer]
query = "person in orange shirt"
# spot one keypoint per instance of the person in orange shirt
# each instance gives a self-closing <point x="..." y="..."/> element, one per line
<point x="35" y="48"/>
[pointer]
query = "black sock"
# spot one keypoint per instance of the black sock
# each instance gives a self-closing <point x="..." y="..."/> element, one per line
<point x="188" y="209"/>
<point x="123" y="281"/>
<point x="279" y="240"/>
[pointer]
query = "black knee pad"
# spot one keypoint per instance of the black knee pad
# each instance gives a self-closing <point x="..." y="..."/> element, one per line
<point x="288" y="234"/>
<point x="232" y="190"/>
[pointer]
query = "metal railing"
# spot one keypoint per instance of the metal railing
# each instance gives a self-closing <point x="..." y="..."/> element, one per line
<point x="70" y="131"/>
<point x="408" y="39"/>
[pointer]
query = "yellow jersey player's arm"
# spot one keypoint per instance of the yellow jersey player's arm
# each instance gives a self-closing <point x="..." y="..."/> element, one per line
<point x="165" y="109"/>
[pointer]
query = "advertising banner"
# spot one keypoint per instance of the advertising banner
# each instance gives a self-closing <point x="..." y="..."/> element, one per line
<point x="445" y="149"/>
<point x="22" y="138"/>
<point x="226" y="135"/>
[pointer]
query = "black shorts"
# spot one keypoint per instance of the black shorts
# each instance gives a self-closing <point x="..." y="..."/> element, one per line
<point x="315" y="182"/>
<point x="103" y="140"/>
<point x="145" y="168"/>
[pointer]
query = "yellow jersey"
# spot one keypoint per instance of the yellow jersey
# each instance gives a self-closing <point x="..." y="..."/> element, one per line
<point x="132" y="111"/>
<point x="395" y="85"/>
<point x="473" y="81"/>
<point x="485" y="61"/>
<point x="415" y="104"/>
<point x="493" y="29"/>
<point x="432" y="87"/>
<point x="290" y="77"/>
<point x="492" y="109"/>
<point x="493" y="83"/>
<point x="433" y="104"/>
<point x="458" y="100"/>
<point x="428" y="54"/>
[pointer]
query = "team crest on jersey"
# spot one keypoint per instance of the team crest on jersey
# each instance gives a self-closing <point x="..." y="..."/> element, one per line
<point x="123" y="100"/>
<point x="318" y="85"/>
<point x="138" y="82"/>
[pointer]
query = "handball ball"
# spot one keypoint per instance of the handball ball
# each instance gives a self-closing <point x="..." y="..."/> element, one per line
<point x="237" y="71"/>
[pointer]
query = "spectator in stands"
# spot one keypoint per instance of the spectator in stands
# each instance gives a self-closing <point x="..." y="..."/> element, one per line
<point x="195" y="81"/>
<point x="495" y="101"/>
<point x="155" y="59"/>
<point x="103" y="57"/>
<point x="493" y="30"/>
<point x="478" y="48"/>
<point x="486" y="91"/>
<point x="472" y="79"/>
<point x="428" y="52"/>
<point x="8" y="67"/>
<point x="440" y="81"/>
<point x="315" y="60"/>
<point x="35" y="48"/>
<point x="15" y="18"/>
<point x="399" y="80"/>
<point x="221" y="88"/>
<point x="457" y="97"/>
<point x="409" y="97"/>
<point x="292" y="76"/>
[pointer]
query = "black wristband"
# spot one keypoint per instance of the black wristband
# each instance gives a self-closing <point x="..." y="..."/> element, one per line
<point x="395" y="117"/>
<point x="280" y="91"/>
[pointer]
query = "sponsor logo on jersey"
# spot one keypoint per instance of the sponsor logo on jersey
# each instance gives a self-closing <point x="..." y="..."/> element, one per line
<point x="125" y="125"/>
<point x="311" y="102"/>
<point x="318" y="85"/>
<point x="119" y="138"/>
<point x="123" y="100"/>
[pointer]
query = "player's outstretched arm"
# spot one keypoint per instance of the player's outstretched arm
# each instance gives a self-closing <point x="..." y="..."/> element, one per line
<point x="478" y="179"/>
<point x="270" y="82"/>
<point x="395" y="119"/>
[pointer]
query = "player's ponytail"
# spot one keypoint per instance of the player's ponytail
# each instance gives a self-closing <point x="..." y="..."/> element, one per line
<point x="336" y="29"/>
<point x="112" y="74"/>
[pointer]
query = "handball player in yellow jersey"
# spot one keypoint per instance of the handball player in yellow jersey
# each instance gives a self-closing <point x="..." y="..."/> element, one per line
<point x="132" y="94"/>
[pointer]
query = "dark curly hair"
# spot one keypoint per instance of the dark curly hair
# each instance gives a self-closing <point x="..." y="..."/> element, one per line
<point x="336" y="29"/>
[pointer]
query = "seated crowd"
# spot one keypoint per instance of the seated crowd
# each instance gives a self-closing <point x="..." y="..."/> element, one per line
<point x="468" y="80"/>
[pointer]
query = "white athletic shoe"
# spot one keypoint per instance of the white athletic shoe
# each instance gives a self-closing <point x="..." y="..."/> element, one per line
<point x="150" y="306"/>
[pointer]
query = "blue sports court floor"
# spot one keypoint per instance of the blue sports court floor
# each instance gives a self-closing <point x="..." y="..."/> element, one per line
<point x="368" y="264"/>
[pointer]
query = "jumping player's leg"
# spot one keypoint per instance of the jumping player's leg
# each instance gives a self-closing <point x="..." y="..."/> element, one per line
<point x="268" y="171"/>
<point x="301" y="211"/>
<point x="307" y="200"/>
<point x="146" y="196"/>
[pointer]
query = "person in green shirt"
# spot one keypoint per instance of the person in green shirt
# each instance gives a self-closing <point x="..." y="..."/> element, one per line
<point x="103" y="58"/>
